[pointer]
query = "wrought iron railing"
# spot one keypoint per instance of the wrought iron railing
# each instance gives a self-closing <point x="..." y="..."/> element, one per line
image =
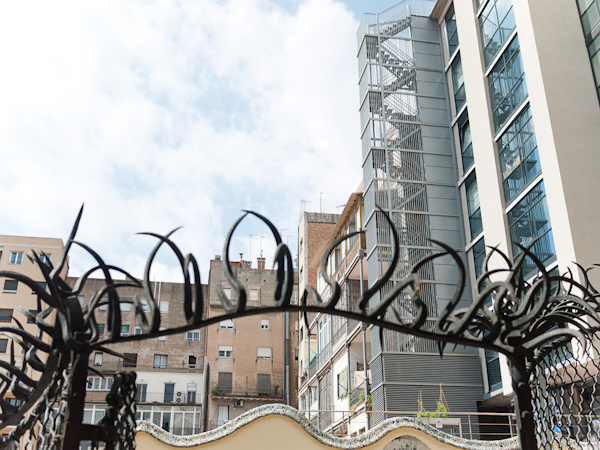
<point x="548" y="329"/>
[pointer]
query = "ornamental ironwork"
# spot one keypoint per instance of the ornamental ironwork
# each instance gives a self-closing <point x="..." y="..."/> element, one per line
<point x="548" y="328"/>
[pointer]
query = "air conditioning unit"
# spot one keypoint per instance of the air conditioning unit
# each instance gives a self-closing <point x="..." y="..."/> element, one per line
<point x="179" y="394"/>
<point x="178" y="400"/>
<point x="238" y="403"/>
<point x="192" y="366"/>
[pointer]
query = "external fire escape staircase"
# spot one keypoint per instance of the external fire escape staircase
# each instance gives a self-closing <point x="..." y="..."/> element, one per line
<point x="391" y="99"/>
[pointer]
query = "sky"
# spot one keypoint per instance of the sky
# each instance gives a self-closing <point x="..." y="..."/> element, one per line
<point x="164" y="114"/>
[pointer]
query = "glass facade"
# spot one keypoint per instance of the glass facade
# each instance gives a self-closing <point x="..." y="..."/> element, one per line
<point x="473" y="209"/>
<point x="507" y="84"/>
<point x="458" y="83"/>
<point x="590" y="21"/>
<point x="479" y="256"/>
<point x="528" y="220"/>
<point x="451" y="32"/>
<point x="466" y="145"/>
<point x="518" y="155"/>
<point x="496" y="23"/>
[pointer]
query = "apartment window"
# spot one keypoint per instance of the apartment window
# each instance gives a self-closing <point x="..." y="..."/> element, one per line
<point x="342" y="383"/>
<point x="130" y="360"/>
<point x="41" y="284"/>
<point x="492" y="362"/>
<point x="80" y="298"/>
<point x="254" y="295"/>
<point x="160" y="361"/>
<point x="145" y="306"/>
<point x="192" y="336"/>
<point x="225" y="381"/>
<point x="529" y="219"/>
<point x="124" y="330"/>
<point x="124" y="305"/>
<point x="169" y="392"/>
<point x="192" y="362"/>
<point x="32" y="315"/>
<point x="191" y="397"/>
<point x="518" y="155"/>
<point x="164" y="306"/>
<point x="227" y="292"/>
<point x="6" y="315"/>
<point x="263" y="353"/>
<point x="225" y="351"/>
<point x="458" y="83"/>
<point x="507" y="84"/>
<point x="15" y="258"/>
<point x="162" y="338"/>
<point x="10" y="286"/>
<point x="99" y="384"/>
<point x="451" y="32"/>
<point x="142" y="390"/>
<point x="263" y="383"/>
<point x="226" y="324"/>
<point x="222" y="415"/>
<point x="45" y="259"/>
<point x="473" y="209"/>
<point x="264" y="324"/>
<point x="3" y="345"/>
<point x="466" y="145"/>
<point x="137" y="331"/>
<point x="324" y="330"/>
<point x="103" y="304"/>
<point x="98" y="356"/>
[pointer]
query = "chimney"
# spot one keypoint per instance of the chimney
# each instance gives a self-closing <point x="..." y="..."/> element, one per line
<point x="260" y="261"/>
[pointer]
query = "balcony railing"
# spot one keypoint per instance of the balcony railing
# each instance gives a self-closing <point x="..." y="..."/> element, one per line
<point x="177" y="398"/>
<point x="468" y="425"/>
<point x="247" y="392"/>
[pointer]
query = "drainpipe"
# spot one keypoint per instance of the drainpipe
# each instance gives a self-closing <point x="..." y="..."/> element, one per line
<point x="361" y="254"/>
<point x="287" y="358"/>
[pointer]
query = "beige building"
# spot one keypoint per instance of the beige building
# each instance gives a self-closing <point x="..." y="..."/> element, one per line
<point x="14" y="257"/>
<point x="170" y="369"/>
<point x="335" y="350"/>
<point x="250" y="361"/>
<point x="14" y="252"/>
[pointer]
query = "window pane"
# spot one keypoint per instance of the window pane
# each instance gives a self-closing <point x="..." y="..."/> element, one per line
<point x="451" y="32"/>
<point x="529" y="219"/>
<point x="458" y="83"/>
<point x="496" y="24"/>
<point x="507" y="85"/>
<point x="10" y="286"/>
<point x="518" y="155"/>
<point x="164" y="306"/>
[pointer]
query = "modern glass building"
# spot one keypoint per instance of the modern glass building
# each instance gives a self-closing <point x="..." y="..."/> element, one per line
<point x="480" y="127"/>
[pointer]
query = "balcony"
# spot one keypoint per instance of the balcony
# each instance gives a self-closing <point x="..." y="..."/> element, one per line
<point x="248" y="393"/>
<point x="179" y="398"/>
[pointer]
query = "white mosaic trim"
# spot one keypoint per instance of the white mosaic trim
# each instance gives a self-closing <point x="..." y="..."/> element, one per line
<point x="347" y="443"/>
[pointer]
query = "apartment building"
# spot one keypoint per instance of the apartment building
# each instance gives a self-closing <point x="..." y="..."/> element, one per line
<point x="170" y="369"/>
<point x="250" y="361"/>
<point x="336" y="350"/>
<point x="480" y="128"/>
<point x="14" y="257"/>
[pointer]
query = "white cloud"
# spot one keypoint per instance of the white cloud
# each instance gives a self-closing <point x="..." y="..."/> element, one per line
<point x="167" y="114"/>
